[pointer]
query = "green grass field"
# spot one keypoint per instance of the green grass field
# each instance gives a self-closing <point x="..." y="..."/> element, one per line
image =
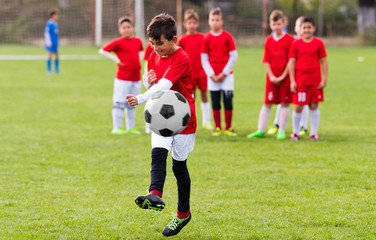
<point x="63" y="175"/>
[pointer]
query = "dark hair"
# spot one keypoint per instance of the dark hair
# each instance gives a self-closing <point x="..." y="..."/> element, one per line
<point x="308" y="20"/>
<point x="52" y="12"/>
<point x="162" y="24"/>
<point x="216" y="11"/>
<point x="191" y="14"/>
<point x="124" y="19"/>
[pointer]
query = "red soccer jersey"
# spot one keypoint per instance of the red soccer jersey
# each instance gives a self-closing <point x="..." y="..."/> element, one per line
<point x="177" y="69"/>
<point x="218" y="48"/>
<point x="277" y="54"/>
<point x="308" y="57"/>
<point x="127" y="50"/>
<point x="148" y="51"/>
<point x="191" y="44"/>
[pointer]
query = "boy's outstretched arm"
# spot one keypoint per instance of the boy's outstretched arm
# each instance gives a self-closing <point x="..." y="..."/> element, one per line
<point x="291" y="65"/>
<point x="110" y="56"/>
<point x="163" y="84"/>
<point x="324" y="68"/>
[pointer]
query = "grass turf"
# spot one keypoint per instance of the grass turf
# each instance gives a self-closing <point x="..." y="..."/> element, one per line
<point x="64" y="175"/>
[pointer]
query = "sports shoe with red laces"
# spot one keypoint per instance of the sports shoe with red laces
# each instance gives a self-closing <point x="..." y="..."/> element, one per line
<point x="314" y="137"/>
<point x="294" y="137"/>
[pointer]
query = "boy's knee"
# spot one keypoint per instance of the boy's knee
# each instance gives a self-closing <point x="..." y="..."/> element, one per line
<point x="119" y="105"/>
<point x="228" y="95"/>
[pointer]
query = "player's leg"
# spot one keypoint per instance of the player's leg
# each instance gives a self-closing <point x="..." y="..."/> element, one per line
<point x="228" y="96"/>
<point x="160" y="147"/>
<point x="283" y="120"/>
<point x="317" y="96"/>
<point x="300" y="98"/>
<point x="205" y="105"/>
<point x="273" y="130"/>
<point x="181" y="147"/>
<point x="48" y="61"/>
<point x="216" y="106"/>
<point x="57" y="69"/>
<point x="304" y="120"/>
<point x="118" y="107"/>
<point x="133" y="88"/>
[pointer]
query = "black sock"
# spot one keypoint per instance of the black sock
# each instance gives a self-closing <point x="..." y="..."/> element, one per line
<point x="158" y="169"/>
<point x="183" y="182"/>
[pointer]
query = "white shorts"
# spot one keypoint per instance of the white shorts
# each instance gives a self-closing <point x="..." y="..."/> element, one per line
<point x="227" y="84"/>
<point x="122" y="88"/>
<point x="179" y="145"/>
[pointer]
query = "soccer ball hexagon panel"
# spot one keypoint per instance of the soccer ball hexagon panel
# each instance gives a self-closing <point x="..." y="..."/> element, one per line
<point x="167" y="113"/>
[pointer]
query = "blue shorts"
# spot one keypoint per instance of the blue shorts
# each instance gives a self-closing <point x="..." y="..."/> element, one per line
<point x="52" y="49"/>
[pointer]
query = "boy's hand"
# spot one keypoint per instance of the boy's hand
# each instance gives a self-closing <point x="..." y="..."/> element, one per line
<point x="132" y="100"/>
<point x="293" y="87"/>
<point x="273" y="79"/>
<point x="221" y="77"/>
<point x="214" y="78"/>
<point x="152" y="77"/>
<point x="120" y="63"/>
<point x="322" y="85"/>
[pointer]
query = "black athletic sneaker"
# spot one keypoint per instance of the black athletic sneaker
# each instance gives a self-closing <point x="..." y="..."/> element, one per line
<point x="150" y="201"/>
<point x="175" y="226"/>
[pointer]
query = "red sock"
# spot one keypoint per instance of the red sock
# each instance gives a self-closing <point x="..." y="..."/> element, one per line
<point x="217" y="118"/>
<point x="156" y="192"/>
<point x="182" y="215"/>
<point x="228" y="118"/>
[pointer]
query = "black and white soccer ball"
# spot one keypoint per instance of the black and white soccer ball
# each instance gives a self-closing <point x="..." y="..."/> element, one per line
<point x="167" y="113"/>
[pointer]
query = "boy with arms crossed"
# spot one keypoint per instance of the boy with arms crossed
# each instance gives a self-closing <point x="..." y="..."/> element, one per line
<point x="127" y="49"/>
<point x="191" y="42"/>
<point x="169" y="68"/>
<point x="277" y="89"/>
<point x="218" y="57"/>
<point x="307" y="59"/>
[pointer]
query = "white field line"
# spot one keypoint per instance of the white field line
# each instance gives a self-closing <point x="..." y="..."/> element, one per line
<point x="43" y="57"/>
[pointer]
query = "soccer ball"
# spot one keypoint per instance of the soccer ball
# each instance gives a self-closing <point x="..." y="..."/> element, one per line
<point x="167" y="113"/>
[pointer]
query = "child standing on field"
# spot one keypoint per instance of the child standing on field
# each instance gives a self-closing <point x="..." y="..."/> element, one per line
<point x="51" y="40"/>
<point x="169" y="67"/>
<point x="307" y="59"/>
<point x="218" y="57"/>
<point x="128" y="80"/>
<point x="277" y="90"/>
<point x="191" y="42"/>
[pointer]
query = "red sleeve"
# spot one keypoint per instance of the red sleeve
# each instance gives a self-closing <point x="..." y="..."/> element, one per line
<point x="322" y="51"/>
<point x="141" y="47"/>
<point x="292" y="53"/>
<point x="266" y="57"/>
<point x="230" y="43"/>
<point x="148" y="51"/>
<point x="111" y="46"/>
<point x="204" y="48"/>
<point x="177" y="69"/>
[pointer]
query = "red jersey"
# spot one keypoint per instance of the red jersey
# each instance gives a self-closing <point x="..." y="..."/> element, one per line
<point x="148" y="51"/>
<point x="277" y="54"/>
<point x="177" y="69"/>
<point x="218" y="48"/>
<point x="127" y="50"/>
<point x="308" y="57"/>
<point x="191" y="44"/>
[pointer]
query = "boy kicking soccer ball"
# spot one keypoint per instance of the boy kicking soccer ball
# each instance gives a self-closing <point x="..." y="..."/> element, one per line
<point x="191" y="42"/>
<point x="307" y="59"/>
<point x="218" y="57"/>
<point x="51" y="40"/>
<point x="169" y="67"/>
<point x="127" y="49"/>
<point x="277" y="90"/>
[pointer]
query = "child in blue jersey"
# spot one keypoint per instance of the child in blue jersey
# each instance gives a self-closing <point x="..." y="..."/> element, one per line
<point x="51" y="40"/>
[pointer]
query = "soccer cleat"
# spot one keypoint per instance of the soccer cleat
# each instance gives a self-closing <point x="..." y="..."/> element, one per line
<point x="217" y="132"/>
<point x="119" y="131"/>
<point x="133" y="131"/>
<point x="273" y="130"/>
<point x="294" y="137"/>
<point x="230" y="132"/>
<point x="281" y="135"/>
<point x="302" y="131"/>
<point x="175" y="226"/>
<point x="257" y="134"/>
<point x="208" y="126"/>
<point x="150" y="201"/>
<point x="314" y="137"/>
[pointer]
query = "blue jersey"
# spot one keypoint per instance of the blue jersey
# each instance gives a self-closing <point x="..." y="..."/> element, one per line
<point x="51" y="36"/>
